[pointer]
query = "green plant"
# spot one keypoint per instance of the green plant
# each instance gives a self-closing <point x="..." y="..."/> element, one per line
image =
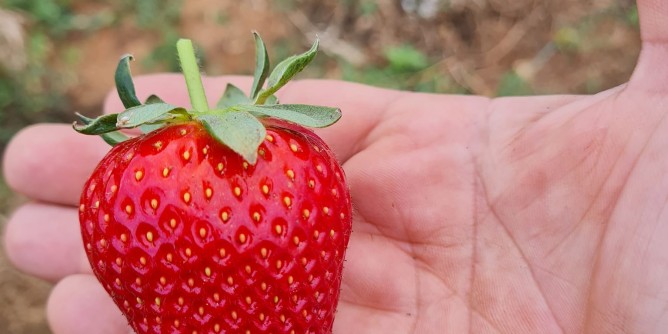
<point x="631" y="16"/>
<point x="368" y="7"/>
<point x="24" y="95"/>
<point x="27" y="93"/>
<point x="55" y="14"/>
<point x="512" y="84"/>
<point x="162" y="18"/>
<point x="406" y="58"/>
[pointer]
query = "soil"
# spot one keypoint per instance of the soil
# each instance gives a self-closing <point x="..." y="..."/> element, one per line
<point x="554" y="46"/>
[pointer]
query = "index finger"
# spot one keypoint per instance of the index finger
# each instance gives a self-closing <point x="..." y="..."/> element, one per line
<point x="361" y="105"/>
<point x="51" y="163"/>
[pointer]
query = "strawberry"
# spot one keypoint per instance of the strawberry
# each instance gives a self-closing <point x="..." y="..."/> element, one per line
<point x="232" y="220"/>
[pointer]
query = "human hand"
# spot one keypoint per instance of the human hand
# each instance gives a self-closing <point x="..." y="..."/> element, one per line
<point x="517" y="215"/>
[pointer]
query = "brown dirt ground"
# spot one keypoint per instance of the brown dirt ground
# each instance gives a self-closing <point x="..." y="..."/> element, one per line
<point x="474" y="42"/>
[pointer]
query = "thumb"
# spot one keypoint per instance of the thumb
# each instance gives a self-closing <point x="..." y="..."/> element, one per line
<point x="650" y="73"/>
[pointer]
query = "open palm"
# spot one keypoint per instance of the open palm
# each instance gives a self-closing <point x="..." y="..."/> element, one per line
<point x="518" y="215"/>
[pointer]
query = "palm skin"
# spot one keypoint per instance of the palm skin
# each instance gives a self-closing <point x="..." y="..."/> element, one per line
<point x="518" y="215"/>
<point x="545" y="219"/>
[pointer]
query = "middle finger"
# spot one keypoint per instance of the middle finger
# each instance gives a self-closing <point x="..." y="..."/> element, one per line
<point x="45" y="241"/>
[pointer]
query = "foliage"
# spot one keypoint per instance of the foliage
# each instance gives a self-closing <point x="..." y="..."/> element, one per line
<point x="405" y="58"/>
<point x="38" y="92"/>
<point x="56" y="14"/>
<point x="26" y="95"/>
<point x="162" y="17"/>
<point x="512" y="84"/>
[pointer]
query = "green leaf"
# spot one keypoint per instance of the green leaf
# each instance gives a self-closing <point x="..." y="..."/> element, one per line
<point x="232" y="96"/>
<point x="306" y="115"/>
<point x="111" y="138"/>
<point x="261" y="65"/>
<point x="238" y="130"/>
<point x="146" y="128"/>
<point x="272" y="99"/>
<point x="406" y="58"/>
<point x="114" y="138"/>
<point x="285" y="71"/>
<point x="512" y="84"/>
<point x="153" y="99"/>
<point x="97" y="126"/>
<point x="147" y="113"/>
<point x="124" y="84"/>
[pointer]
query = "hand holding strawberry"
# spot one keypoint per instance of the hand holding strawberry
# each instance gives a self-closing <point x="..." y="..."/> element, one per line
<point x="523" y="215"/>
<point x="232" y="220"/>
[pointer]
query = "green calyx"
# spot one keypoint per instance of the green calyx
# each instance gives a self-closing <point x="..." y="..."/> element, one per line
<point x="236" y="120"/>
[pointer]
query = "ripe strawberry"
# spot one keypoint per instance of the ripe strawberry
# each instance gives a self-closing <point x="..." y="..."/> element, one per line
<point x="218" y="221"/>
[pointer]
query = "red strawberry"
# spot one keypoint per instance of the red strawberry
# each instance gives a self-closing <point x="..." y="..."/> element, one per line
<point x="200" y="227"/>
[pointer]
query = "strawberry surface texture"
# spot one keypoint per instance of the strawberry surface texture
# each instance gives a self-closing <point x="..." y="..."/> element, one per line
<point x="192" y="231"/>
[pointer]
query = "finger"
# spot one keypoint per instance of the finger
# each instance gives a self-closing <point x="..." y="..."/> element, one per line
<point x="361" y="105"/>
<point x="653" y="20"/>
<point x="45" y="241"/>
<point x="51" y="162"/>
<point x="79" y="305"/>
<point x="651" y="73"/>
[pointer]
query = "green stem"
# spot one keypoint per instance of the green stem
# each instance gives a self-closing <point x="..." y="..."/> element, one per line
<point x="263" y="96"/>
<point x="191" y="72"/>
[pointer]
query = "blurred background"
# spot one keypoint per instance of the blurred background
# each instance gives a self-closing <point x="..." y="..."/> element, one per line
<point x="58" y="57"/>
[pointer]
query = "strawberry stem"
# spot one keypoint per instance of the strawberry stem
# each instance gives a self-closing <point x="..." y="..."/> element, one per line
<point x="191" y="72"/>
